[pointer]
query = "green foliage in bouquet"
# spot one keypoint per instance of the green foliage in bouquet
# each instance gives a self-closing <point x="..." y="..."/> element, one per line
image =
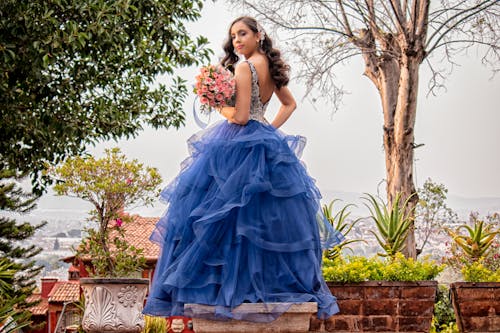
<point x="110" y="184"/>
<point x="397" y="268"/>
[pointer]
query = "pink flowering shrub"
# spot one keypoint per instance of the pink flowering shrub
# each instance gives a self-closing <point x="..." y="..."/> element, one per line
<point x="110" y="184"/>
<point x="215" y="87"/>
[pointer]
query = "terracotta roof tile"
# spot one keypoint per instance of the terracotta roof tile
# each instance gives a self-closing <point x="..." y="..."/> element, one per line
<point x="137" y="234"/>
<point x="72" y="268"/>
<point x="65" y="291"/>
<point x="41" y="308"/>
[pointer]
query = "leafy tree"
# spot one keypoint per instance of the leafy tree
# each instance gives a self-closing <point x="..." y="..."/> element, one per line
<point x="432" y="214"/>
<point x="394" y="37"/>
<point x="110" y="184"/>
<point x="17" y="267"/>
<point x="73" y="72"/>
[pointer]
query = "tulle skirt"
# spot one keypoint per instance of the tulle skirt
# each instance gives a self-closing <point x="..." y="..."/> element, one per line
<point x="243" y="224"/>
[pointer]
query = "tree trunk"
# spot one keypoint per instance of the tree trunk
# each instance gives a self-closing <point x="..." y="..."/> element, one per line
<point x="399" y="124"/>
<point x="396" y="79"/>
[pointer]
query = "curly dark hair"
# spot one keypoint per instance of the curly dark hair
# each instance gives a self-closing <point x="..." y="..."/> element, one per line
<point x="277" y="67"/>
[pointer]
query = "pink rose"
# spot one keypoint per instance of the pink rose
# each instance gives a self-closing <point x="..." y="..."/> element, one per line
<point x="204" y="100"/>
<point x="118" y="222"/>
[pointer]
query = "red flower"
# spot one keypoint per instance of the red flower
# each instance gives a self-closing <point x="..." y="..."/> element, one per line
<point x="118" y="222"/>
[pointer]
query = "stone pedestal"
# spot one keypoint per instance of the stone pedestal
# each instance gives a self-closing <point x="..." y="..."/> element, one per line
<point x="296" y="319"/>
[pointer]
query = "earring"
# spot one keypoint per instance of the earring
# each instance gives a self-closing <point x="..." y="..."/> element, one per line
<point x="262" y="35"/>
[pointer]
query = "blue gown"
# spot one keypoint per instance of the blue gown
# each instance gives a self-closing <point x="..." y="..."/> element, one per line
<point x="243" y="224"/>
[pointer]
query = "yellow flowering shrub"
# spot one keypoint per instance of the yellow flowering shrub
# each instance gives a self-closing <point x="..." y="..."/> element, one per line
<point x="353" y="269"/>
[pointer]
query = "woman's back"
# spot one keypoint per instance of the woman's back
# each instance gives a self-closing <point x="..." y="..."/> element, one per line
<point x="265" y="81"/>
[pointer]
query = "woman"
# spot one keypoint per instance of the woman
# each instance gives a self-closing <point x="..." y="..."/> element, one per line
<point x="242" y="223"/>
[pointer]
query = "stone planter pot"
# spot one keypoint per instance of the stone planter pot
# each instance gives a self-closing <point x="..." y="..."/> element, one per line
<point x="113" y="305"/>
<point x="381" y="306"/>
<point x="477" y="306"/>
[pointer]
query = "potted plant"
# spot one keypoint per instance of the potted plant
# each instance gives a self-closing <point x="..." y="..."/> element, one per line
<point x="476" y="253"/>
<point x="115" y="293"/>
<point x="387" y="292"/>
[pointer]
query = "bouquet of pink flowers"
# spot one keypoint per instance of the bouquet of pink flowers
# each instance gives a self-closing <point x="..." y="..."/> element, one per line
<point x="215" y="87"/>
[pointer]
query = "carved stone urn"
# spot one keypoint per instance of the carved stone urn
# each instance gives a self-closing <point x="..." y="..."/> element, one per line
<point x="113" y="305"/>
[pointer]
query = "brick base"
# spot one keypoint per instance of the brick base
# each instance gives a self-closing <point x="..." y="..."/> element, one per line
<point x="477" y="306"/>
<point x="381" y="307"/>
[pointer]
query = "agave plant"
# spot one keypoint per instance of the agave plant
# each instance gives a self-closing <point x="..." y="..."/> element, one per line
<point x="392" y="224"/>
<point x="340" y="223"/>
<point x="478" y="240"/>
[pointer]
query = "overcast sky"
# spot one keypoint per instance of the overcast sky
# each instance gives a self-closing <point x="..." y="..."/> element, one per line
<point x="460" y="127"/>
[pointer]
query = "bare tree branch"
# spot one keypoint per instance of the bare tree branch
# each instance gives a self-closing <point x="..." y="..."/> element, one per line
<point x="400" y="17"/>
<point x="472" y="10"/>
<point x="392" y="38"/>
<point x="344" y="16"/>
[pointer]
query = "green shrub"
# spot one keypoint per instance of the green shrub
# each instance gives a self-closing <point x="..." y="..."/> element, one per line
<point x="444" y="315"/>
<point x="477" y="272"/>
<point x="444" y="328"/>
<point x="358" y="269"/>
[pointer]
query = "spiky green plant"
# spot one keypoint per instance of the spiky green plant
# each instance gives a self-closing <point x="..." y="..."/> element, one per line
<point x="392" y="224"/>
<point x="340" y="223"/>
<point x="478" y="240"/>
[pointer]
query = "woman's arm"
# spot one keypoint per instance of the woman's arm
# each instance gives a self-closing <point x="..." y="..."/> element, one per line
<point x="288" y="105"/>
<point x="240" y="113"/>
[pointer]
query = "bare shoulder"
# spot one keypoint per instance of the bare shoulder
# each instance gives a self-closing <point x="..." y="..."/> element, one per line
<point x="243" y="68"/>
<point x="260" y="61"/>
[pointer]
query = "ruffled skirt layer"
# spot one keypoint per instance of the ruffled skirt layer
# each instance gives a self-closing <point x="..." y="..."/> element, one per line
<point x="243" y="225"/>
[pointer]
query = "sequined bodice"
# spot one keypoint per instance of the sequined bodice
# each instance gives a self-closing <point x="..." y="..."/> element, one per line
<point x="257" y="109"/>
